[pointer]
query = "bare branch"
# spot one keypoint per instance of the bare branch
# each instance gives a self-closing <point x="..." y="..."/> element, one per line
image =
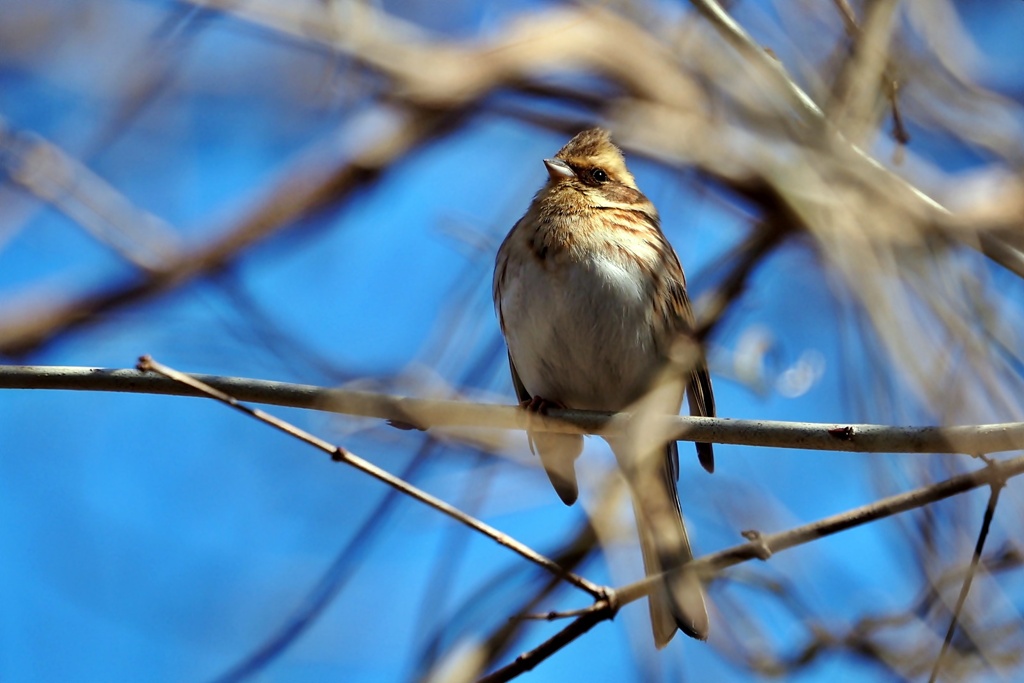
<point x="986" y="524"/>
<point x="995" y="474"/>
<point x="339" y="454"/>
<point x="439" y="414"/>
<point x="601" y="611"/>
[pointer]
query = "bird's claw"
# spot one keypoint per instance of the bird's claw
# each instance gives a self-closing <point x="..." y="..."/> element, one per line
<point x="539" y="405"/>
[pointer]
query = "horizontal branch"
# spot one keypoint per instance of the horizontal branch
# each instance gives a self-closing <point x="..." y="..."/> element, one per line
<point x="436" y="414"/>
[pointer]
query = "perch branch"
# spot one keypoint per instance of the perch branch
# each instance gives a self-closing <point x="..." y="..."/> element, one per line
<point x="439" y="414"/>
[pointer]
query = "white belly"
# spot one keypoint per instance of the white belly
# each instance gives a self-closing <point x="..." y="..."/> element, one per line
<point x="580" y="335"/>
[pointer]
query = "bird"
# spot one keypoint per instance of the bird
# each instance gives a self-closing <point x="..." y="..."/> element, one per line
<point x="591" y="299"/>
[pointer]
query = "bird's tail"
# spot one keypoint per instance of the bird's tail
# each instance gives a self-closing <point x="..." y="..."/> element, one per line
<point x="678" y="602"/>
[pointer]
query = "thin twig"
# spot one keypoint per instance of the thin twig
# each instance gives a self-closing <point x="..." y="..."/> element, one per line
<point x="757" y="58"/>
<point x="849" y="19"/>
<point x="571" y="554"/>
<point x="755" y="249"/>
<point x="853" y="110"/>
<point x="602" y="610"/>
<point x="327" y="588"/>
<point x="340" y="454"/>
<point x="552" y="616"/>
<point x="803" y="104"/>
<point x="986" y="523"/>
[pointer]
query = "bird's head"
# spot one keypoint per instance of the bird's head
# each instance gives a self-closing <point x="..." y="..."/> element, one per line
<point x="592" y="166"/>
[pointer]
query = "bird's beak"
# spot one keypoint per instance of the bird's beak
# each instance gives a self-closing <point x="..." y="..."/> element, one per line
<point x="558" y="169"/>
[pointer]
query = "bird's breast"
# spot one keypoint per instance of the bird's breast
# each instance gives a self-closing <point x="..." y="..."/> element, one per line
<point x="579" y="329"/>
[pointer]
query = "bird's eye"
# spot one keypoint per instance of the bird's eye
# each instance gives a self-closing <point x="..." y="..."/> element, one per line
<point x="599" y="175"/>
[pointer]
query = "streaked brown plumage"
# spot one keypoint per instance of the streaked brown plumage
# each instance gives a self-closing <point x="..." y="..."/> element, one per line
<point x="592" y="301"/>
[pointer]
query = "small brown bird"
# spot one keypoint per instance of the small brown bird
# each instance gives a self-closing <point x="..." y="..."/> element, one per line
<point x="592" y="302"/>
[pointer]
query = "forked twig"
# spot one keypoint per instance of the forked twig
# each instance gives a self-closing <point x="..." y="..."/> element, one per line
<point x="601" y="610"/>
<point x="994" y="474"/>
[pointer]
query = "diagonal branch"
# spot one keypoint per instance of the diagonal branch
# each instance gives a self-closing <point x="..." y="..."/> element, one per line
<point x="310" y="185"/>
<point x="602" y="610"/>
<point x="986" y="524"/>
<point x="339" y="454"/>
<point x="51" y="174"/>
<point x="763" y="546"/>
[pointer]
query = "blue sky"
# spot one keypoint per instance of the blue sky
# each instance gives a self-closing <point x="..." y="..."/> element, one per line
<point x="165" y="539"/>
